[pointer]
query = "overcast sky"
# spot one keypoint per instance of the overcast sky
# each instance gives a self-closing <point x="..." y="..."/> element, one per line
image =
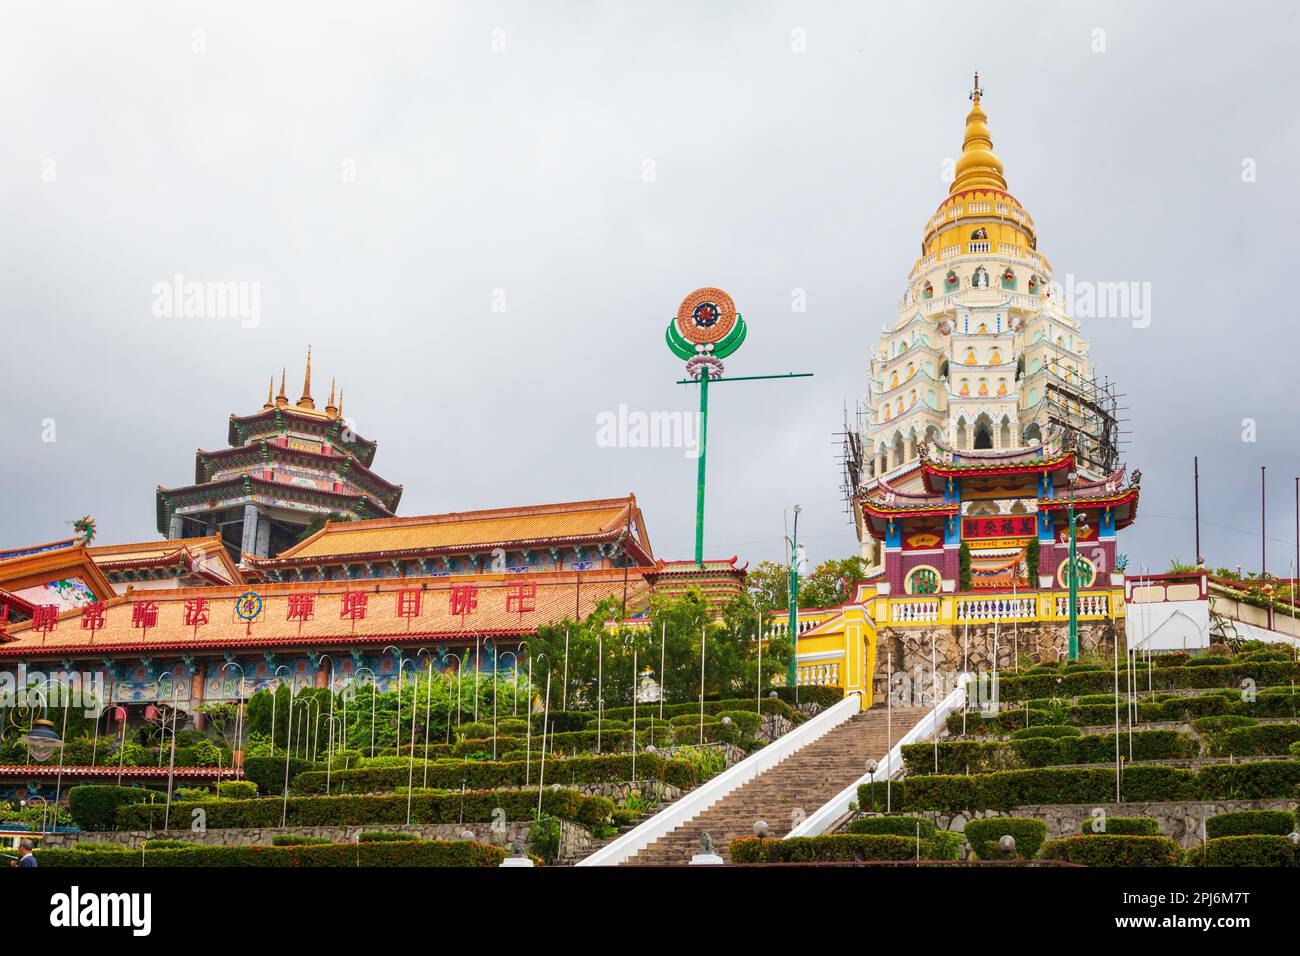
<point x="386" y="174"/>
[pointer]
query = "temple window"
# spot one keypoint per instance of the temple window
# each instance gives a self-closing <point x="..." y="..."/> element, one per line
<point x="928" y="291"/>
<point x="922" y="580"/>
<point x="1008" y="279"/>
<point x="983" y="433"/>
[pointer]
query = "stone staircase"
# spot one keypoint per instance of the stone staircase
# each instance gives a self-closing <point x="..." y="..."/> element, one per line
<point x="802" y="782"/>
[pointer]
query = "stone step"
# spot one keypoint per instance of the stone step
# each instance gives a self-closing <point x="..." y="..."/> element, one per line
<point x="802" y="782"/>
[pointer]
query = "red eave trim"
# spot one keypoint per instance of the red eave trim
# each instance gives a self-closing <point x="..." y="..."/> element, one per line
<point x="334" y="640"/>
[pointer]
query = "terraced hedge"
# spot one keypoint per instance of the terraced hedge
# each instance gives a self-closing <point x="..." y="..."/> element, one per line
<point x="961" y="756"/>
<point x="1245" y="851"/>
<point x="475" y="806"/>
<point x="1254" y="741"/>
<point x="407" y="853"/>
<point x="490" y="774"/>
<point x="1250" y="823"/>
<point x="1006" y="789"/>
<point x="1114" y="850"/>
<point x="1101" y="681"/>
<point x="1270" y="702"/>
<point x="844" y="847"/>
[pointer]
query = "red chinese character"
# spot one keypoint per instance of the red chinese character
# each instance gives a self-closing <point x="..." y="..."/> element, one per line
<point x="409" y="602"/>
<point x="144" y="615"/>
<point x="521" y="598"/>
<point x="354" y="606"/>
<point x="45" y="618"/>
<point x="92" y="618"/>
<point x="464" y="599"/>
<point x="196" y="612"/>
<point x="302" y="607"/>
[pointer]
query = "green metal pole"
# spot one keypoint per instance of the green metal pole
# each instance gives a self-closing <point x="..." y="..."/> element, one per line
<point x="1074" y="586"/>
<point x="699" y="480"/>
<point x="792" y="672"/>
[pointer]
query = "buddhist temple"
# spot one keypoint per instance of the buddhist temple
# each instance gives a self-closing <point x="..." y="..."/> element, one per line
<point x="288" y="465"/>
<point x="983" y="417"/>
<point x="983" y="429"/>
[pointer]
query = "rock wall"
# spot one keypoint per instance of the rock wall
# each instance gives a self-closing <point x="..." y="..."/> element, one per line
<point x="909" y="649"/>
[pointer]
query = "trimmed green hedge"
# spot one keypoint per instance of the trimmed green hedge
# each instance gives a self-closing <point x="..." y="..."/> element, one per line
<point x="237" y="789"/>
<point x="983" y="836"/>
<point x="1123" y="826"/>
<point x="1249" y="823"/>
<point x="1046" y="730"/>
<point x="1214" y="725"/>
<point x="1256" y="850"/>
<point x="1256" y="741"/>
<point x="963" y="756"/>
<point x="1007" y="789"/>
<point x="268" y="772"/>
<point x="894" y="826"/>
<point x="423" y="853"/>
<point x="489" y="774"/>
<point x="475" y="806"/>
<point x="841" y="848"/>
<point x="1026" y="686"/>
<point x="95" y="807"/>
<point x="1114" y="850"/>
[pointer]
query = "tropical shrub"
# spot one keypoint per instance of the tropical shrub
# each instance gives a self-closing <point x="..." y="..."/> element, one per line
<point x="95" y="807"/>
<point x="896" y="826"/>
<point x="1256" y="850"/>
<point x="237" y="789"/>
<point x="830" y="848"/>
<point x="1049" y="730"/>
<point x="418" y="854"/>
<point x="984" y="836"/>
<point x="1249" y="823"/>
<point x="475" y="806"/>
<point x="1114" y="850"/>
<point x="1257" y="741"/>
<point x="1214" y="725"/>
<point x="268" y="772"/>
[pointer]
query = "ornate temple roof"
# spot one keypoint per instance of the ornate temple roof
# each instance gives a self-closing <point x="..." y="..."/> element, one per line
<point x="194" y="556"/>
<point x="22" y="568"/>
<point x="502" y="605"/>
<point x="535" y="526"/>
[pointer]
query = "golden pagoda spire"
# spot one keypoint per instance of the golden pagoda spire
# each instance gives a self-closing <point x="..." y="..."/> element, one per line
<point x="270" y="391"/>
<point x="979" y="167"/>
<point x="330" y="408"/>
<point x="282" y="399"/>
<point x="306" y="401"/>
<point x="340" y="401"/>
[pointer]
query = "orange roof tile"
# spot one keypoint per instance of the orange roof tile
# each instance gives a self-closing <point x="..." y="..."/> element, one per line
<point x="515" y="527"/>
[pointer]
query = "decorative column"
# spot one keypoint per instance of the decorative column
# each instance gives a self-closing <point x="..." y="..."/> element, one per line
<point x="263" y="541"/>
<point x="248" y="543"/>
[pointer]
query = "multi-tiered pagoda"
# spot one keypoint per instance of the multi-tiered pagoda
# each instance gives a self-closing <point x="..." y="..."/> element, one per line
<point x="982" y="418"/>
<point x="286" y="466"/>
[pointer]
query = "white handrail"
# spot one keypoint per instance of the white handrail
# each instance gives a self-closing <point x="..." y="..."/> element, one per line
<point x="711" y="791"/>
<point x="820" y="820"/>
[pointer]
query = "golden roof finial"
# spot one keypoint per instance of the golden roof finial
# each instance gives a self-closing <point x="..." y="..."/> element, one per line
<point x="306" y="401"/>
<point x="282" y="399"/>
<point x="979" y="167"/>
<point x="270" y="392"/>
<point x="330" y="408"/>
<point x="340" y="401"/>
